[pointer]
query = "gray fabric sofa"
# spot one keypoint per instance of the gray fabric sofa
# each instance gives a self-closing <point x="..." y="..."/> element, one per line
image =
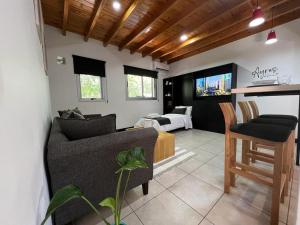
<point x="90" y="164"/>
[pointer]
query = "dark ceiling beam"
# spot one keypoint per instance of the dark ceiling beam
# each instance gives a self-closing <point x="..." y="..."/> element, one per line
<point x="65" y="16"/>
<point x="114" y="30"/>
<point x="147" y="24"/>
<point x="284" y="18"/>
<point x="213" y="16"/>
<point x="152" y="36"/>
<point x="266" y="5"/>
<point x="96" y="12"/>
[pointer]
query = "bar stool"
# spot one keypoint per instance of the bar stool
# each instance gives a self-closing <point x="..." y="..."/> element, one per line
<point x="244" y="106"/>
<point x="266" y="134"/>
<point x="287" y="120"/>
<point x="255" y="112"/>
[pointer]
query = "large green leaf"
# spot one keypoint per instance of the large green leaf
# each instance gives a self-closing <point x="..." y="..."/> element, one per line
<point x="134" y="164"/>
<point x="131" y="159"/>
<point x="61" y="197"/>
<point x="122" y="158"/>
<point x="110" y="203"/>
<point x="135" y="154"/>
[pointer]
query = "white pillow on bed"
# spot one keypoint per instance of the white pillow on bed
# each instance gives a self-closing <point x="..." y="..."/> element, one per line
<point x="188" y="109"/>
<point x="153" y="115"/>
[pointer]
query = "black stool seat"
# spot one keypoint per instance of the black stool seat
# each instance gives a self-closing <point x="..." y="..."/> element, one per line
<point x="276" y="133"/>
<point x="288" y="117"/>
<point x="276" y="121"/>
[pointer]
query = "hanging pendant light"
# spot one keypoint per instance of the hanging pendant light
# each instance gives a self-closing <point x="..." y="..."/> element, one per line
<point x="271" y="39"/>
<point x="257" y="16"/>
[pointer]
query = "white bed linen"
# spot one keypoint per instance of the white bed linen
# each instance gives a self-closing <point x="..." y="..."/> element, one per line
<point x="177" y="121"/>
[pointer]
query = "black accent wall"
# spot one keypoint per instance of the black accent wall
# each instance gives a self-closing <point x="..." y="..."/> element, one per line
<point x="206" y="114"/>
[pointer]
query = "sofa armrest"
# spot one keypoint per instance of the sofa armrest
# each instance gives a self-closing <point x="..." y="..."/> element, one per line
<point x="82" y="161"/>
<point x="105" y="144"/>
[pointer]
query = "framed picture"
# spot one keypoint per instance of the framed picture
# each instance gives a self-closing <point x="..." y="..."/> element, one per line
<point x="39" y="22"/>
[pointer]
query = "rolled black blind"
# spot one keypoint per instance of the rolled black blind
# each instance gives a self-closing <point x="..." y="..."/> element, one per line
<point x="140" y="72"/>
<point x="83" y="65"/>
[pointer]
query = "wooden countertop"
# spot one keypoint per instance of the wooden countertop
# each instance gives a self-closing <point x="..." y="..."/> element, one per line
<point x="267" y="89"/>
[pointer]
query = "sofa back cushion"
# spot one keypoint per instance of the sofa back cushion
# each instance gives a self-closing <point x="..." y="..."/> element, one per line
<point x="75" y="129"/>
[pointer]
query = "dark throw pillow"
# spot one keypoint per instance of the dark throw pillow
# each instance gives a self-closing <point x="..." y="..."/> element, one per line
<point x="68" y="114"/>
<point x="75" y="129"/>
<point x="179" y="111"/>
<point x="65" y="113"/>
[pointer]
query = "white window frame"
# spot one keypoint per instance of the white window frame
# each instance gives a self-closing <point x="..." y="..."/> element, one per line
<point x="103" y="90"/>
<point x="141" y="98"/>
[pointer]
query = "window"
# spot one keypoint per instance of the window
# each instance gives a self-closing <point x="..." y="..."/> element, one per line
<point x="90" y="87"/>
<point x="141" y="87"/>
<point x="141" y="83"/>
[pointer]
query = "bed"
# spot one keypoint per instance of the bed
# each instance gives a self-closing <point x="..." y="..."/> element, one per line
<point x="167" y="122"/>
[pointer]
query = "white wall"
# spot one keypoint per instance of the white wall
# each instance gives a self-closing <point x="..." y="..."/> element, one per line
<point x="63" y="83"/>
<point x="249" y="53"/>
<point x="24" y="116"/>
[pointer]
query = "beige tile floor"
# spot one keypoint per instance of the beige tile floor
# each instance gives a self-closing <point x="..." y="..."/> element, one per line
<point x="191" y="193"/>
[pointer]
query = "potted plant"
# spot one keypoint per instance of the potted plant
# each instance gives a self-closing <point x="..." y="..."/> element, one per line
<point x="128" y="161"/>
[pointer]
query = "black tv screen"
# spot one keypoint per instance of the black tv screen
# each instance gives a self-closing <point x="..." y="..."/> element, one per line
<point x="216" y="85"/>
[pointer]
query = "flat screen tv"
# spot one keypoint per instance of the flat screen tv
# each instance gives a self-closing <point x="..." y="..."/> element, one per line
<point x="216" y="85"/>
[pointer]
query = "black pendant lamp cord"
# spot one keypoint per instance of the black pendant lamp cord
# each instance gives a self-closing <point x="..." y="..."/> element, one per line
<point x="272" y="19"/>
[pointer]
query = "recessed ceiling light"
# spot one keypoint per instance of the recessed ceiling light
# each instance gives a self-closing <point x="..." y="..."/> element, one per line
<point x="116" y="5"/>
<point x="148" y="29"/>
<point x="183" y="37"/>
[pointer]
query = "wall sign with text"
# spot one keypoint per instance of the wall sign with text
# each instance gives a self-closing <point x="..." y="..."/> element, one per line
<point x="265" y="73"/>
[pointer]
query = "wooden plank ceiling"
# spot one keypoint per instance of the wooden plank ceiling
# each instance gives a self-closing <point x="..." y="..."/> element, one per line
<point x="154" y="27"/>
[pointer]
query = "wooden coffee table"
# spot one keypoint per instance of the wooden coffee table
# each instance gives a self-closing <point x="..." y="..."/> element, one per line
<point x="164" y="147"/>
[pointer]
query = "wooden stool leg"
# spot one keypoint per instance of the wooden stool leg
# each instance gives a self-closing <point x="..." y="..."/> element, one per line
<point x="276" y="183"/>
<point x="228" y="149"/>
<point x="292" y="151"/>
<point x="285" y="169"/>
<point x="254" y="148"/>
<point x="245" y="151"/>
<point x="292" y="163"/>
<point x="232" y="160"/>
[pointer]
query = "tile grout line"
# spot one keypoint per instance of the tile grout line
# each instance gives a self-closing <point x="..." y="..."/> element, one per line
<point x="133" y="211"/>
<point x="149" y="199"/>
<point x="138" y="217"/>
<point x="192" y="206"/>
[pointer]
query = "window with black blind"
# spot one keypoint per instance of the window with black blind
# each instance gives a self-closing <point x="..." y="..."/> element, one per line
<point x="90" y="78"/>
<point x="141" y="83"/>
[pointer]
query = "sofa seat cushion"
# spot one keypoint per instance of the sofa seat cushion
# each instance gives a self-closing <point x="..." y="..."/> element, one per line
<point x="276" y="133"/>
<point x="278" y="116"/>
<point x="75" y="129"/>
<point x="276" y="121"/>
